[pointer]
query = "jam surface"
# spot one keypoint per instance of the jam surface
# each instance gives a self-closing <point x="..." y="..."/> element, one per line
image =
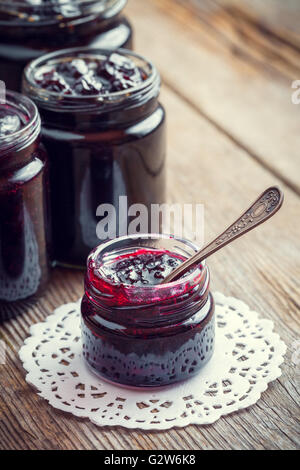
<point x="144" y="267"/>
<point x="122" y="279"/>
<point x="78" y="76"/>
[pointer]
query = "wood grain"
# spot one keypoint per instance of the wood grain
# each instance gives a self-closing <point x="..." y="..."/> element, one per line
<point x="208" y="163"/>
<point x="217" y="71"/>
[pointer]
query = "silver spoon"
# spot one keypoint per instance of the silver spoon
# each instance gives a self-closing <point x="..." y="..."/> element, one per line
<point x="264" y="207"/>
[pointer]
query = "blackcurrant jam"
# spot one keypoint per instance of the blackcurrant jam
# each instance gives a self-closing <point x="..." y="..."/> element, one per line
<point x="90" y="76"/>
<point x="30" y="28"/>
<point x="104" y="130"/>
<point x="24" y="233"/>
<point x="137" y="331"/>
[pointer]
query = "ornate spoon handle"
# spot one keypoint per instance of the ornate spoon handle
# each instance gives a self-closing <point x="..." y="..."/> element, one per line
<point x="266" y="205"/>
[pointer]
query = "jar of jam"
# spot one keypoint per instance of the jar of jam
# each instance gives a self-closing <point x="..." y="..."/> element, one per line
<point x="136" y="331"/>
<point x="24" y="232"/>
<point x="30" y="28"/>
<point x="104" y="130"/>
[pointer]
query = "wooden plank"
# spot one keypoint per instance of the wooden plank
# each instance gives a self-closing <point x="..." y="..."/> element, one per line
<point x="261" y="269"/>
<point x="231" y="71"/>
<point x="249" y="32"/>
<point x="283" y="17"/>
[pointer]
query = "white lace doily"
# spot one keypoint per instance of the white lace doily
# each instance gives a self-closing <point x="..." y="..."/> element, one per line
<point x="246" y="358"/>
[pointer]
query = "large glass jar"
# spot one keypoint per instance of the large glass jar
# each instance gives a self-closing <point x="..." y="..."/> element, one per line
<point x="101" y="148"/>
<point x="141" y="334"/>
<point x="24" y="233"/>
<point x="30" y="28"/>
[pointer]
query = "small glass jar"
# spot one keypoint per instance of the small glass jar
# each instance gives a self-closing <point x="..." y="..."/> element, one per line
<point x="24" y="232"/>
<point x="150" y="335"/>
<point x="100" y="147"/>
<point x="30" y="28"/>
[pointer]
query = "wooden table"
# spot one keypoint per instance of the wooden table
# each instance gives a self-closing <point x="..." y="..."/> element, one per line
<point x="227" y="68"/>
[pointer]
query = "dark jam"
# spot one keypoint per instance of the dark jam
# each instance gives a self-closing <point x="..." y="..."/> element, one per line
<point x="31" y="28"/>
<point x="144" y="267"/>
<point x="104" y="131"/>
<point x="136" y="334"/>
<point x="23" y="204"/>
<point x="90" y="77"/>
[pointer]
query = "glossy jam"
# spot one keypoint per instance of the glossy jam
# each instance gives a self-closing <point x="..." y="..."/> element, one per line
<point x="102" y="146"/>
<point x="138" y="335"/>
<point x="143" y="267"/>
<point x="23" y="203"/>
<point x="80" y="77"/>
<point x="30" y="28"/>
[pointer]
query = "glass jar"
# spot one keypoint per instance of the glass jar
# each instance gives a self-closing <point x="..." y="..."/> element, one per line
<point x="30" y="28"/>
<point x="149" y="335"/>
<point x="100" y="148"/>
<point x="23" y="204"/>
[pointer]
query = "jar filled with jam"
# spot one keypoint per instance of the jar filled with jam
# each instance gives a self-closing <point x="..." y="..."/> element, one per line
<point x="30" y="28"/>
<point x="137" y="331"/>
<point x="104" y="130"/>
<point x="24" y="233"/>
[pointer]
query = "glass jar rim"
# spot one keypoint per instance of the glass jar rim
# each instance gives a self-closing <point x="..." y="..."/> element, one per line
<point x="30" y="131"/>
<point x="131" y="304"/>
<point x="85" y="5"/>
<point x="147" y="294"/>
<point x="61" y="2"/>
<point x="48" y="99"/>
<point x="185" y="279"/>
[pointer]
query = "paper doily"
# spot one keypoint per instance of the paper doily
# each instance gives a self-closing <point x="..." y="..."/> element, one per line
<point x="246" y="358"/>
